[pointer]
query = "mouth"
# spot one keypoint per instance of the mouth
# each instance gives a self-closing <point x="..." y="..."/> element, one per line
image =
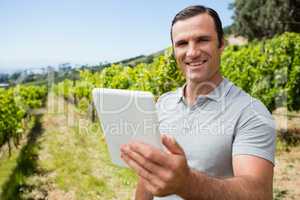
<point x="196" y="64"/>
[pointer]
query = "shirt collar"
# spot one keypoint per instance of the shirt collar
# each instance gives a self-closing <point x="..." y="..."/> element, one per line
<point x="180" y="93"/>
<point x="216" y="95"/>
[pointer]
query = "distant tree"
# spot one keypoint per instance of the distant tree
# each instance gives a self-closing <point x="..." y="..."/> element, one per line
<point x="15" y="76"/>
<point x="264" y="18"/>
<point x="4" y="78"/>
<point x="64" y="67"/>
<point x="228" y="29"/>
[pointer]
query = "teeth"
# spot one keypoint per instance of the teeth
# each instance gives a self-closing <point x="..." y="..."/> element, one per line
<point x="197" y="63"/>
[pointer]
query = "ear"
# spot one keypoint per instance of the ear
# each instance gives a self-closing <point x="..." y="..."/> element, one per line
<point x="222" y="45"/>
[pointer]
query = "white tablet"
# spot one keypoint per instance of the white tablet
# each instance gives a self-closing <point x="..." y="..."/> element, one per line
<point x="126" y="115"/>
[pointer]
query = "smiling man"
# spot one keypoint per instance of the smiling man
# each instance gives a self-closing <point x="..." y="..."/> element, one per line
<point x="219" y="141"/>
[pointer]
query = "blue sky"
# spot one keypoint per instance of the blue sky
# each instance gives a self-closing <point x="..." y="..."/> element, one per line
<point x="40" y="33"/>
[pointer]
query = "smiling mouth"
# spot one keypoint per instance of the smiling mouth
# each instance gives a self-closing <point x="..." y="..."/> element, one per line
<point x="196" y="64"/>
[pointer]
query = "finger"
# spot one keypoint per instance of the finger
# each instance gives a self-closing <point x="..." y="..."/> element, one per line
<point x="153" y="189"/>
<point x="136" y="167"/>
<point x="172" y="146"/>
<point x="151" y="153"/>
<point x="161" y="140"/>
<point x="152" y="167"/>
<point x="142" y="172"/>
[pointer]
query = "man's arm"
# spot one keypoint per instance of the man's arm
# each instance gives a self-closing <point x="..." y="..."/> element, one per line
<point x="253" y="179"/>
<point x="141" y="192"/>
<point x="168" y="173"/>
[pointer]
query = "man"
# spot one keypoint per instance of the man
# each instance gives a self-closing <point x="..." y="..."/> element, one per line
<point x="223" y="140"/>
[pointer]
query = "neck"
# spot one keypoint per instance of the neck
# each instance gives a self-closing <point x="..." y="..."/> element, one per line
<point x="194" y="89"/>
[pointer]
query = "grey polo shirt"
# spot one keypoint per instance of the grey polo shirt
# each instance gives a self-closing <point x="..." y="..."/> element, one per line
<point x="222" y="124"/>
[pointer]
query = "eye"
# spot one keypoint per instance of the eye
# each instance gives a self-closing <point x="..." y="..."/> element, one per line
<point x="203" y="39"/>
<point x="180" y="43"/>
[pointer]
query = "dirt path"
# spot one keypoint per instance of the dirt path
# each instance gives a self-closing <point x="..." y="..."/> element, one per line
<point x="287" y="175"/>
<point x="74" y="160"/>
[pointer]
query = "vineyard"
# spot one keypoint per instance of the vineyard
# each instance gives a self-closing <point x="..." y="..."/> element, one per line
<point x="62" y="154"/>
<point x="268" y="70"/>
<point x="16" y="109"/>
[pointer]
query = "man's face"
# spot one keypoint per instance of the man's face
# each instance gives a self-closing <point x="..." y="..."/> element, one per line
<point x="197" y="49"/>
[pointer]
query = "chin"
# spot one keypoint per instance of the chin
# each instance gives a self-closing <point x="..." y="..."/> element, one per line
<point x="196" y="79"/>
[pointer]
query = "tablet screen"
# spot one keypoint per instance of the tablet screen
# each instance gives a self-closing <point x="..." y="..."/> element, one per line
<point x="126" y="115"/>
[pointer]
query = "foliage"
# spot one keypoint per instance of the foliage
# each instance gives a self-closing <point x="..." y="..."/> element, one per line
<point x="64" y="88"/>
<point x="30" y="97"/>
<point x="15" y="104"/>
<point x="263" y="18"/>
<point x="10" y="117"/>
<point x="268" y="70"/>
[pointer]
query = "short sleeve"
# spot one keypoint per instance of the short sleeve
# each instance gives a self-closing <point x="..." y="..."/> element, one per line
<point x="255" y="133"/>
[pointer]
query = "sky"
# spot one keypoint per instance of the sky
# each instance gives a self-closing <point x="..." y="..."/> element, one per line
<point x="37" y="33"/>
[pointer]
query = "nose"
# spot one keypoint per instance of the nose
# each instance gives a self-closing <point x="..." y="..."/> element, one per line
<point x="192" y="51"/>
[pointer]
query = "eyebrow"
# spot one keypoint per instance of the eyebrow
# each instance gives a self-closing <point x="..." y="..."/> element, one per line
<point x="179" y="42"/>
<point x="204" y="37"/>
<point x="201" y="38"/>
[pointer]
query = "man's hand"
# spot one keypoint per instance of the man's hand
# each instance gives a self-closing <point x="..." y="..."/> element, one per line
<point x="162" y="173"/>
<point x="165" y="173"/>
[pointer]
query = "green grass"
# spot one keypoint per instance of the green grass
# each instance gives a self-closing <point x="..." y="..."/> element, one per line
<point x="7" y="165"/>
<point x="78" y="157"/>
<point x="64" y="159"/>
<point x="20" y="165"/>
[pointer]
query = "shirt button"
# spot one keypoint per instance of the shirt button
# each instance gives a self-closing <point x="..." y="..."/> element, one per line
<point x="201" y="100"/>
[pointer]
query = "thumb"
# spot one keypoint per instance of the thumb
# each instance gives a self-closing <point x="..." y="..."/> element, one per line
<point x="171" y="145"/>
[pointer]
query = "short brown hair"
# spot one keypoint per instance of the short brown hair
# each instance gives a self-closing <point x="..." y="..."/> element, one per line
<point x="192" y="11"/>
